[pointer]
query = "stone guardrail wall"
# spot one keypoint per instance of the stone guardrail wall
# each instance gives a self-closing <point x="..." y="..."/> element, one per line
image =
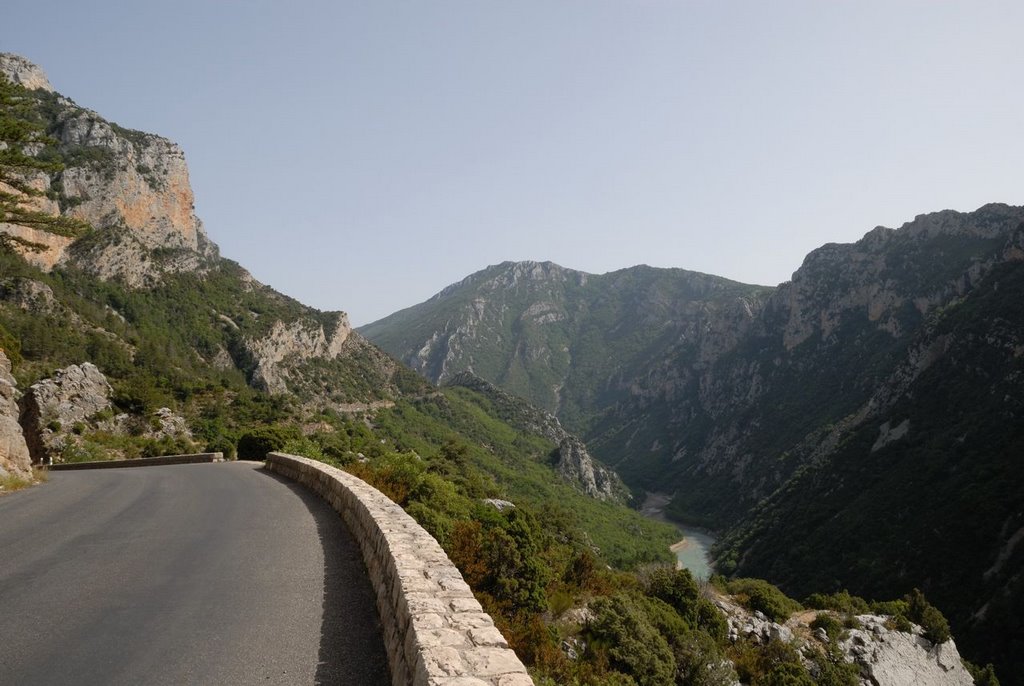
<point x="139" y="462"/>
<point x="435" y="632"/>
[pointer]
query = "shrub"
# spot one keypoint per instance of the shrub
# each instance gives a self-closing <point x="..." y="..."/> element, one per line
<point x="699" y="663"/>
<point x="833" y="628"/>
<point x="711" y="620"/>
<point x="222" y="444"/>
<point x="788" y="674"/>
<point x="759" y="595"/>
<point x="676" y="587"/>
<point x="834" y="670"/>
<point x="892" y="608"/>
<point x="839" y="602"/>
<point x="255" y="444"/>
<point x="920" y="611"/>
<point x="983" y="676"/>
<point x="621" y="629"/>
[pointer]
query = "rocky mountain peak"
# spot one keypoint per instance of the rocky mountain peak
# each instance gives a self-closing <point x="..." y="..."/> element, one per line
<point x="131" y="187"/>
<point x="19" y="70"/>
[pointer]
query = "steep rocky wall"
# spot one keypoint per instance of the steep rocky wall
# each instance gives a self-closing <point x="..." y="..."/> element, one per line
<point x="293" y="342"/>
<point x="435" y="631"/>
<point x="131" y="184"/>
<point x="14" y="455"/>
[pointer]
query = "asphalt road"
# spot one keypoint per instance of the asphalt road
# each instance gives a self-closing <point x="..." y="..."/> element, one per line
<point x="212" y="574"/>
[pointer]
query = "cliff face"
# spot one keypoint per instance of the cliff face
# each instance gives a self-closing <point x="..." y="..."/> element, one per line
<point x="19" y="70"/>
<point x="14" y="455"/>
<point x="131" y="187"/>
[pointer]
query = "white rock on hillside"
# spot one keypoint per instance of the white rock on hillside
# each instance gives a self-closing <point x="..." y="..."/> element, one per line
<point x="894" y="658"/>
<point x="19" y="70"/>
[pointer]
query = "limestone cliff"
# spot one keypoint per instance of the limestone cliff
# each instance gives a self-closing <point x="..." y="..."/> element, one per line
<point x="883" y="655"/>
<point x="19" y="70"/>
<point x="131" y="187"/>
<point x="896" y="658"/>
<point x="14" y="455"/>
<point x="294" y="342"/>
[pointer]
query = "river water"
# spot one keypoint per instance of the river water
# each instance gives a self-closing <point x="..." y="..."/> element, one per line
<point x="693" y="552"/>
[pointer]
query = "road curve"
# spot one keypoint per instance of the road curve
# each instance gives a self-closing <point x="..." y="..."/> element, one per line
<point x="190" y="574"/>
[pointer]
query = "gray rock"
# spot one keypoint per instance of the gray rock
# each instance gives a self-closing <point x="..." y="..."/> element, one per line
<point x="19" y="70"/>
<point x="289" y="344"/>
<point x="499" y="505"/>
<point x="51" y="408"/>
<point x="14" y="455"/>
<point x="894" y="658"/>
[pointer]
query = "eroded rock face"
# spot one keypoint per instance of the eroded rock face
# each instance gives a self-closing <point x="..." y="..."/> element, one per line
<point x="19" y="70"/>
<point x="131" y="186"/>
<point x="895" y="658"/>
<point x="14" y="455"/>
<point x="577" y="466"/>
<point x="52" y="407"/>
<point x="294" y="342"/>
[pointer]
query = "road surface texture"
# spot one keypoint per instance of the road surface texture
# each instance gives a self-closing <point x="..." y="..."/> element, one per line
<point x="212" y="574"/>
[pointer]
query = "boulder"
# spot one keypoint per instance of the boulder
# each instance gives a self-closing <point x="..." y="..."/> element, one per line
<point x="52" y="407"/>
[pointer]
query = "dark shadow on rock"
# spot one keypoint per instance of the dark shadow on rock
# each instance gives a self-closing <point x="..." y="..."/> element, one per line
<point x="351" y="637"/>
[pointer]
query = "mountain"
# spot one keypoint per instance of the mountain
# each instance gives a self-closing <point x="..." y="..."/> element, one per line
<point x="123" y="333"/>
<point x="572" y="343"/>
<point x="130" y="335"/>
<point x="870" y="407"/>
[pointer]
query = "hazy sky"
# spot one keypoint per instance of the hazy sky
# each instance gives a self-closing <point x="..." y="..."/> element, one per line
<point x="363" y="155"/>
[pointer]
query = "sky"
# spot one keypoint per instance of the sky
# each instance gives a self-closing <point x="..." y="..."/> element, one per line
<point x="362" y="155"/>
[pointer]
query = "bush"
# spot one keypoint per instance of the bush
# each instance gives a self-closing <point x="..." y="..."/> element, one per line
<point x="759" y="595"/>
<point x="788" y="674"/>
<point x="676" y="587"/>
<point x="222" y="444"/>
<point x="699" y="663"/>
<point x="983" y="676"/>
<point x="833" y="628"/>
<point x="621" y="629"/>
<point x="839" y="602"/>
<point x="255" y="444"/>
<point x="834" y="670"/>
<point x="920" y="611"/>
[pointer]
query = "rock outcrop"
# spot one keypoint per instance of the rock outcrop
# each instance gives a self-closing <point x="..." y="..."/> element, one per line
<point x="885" y="656"/>
<point x="131" y="187"/>
<point x="577" y="466"/>
<point x="14" y="455"/>
<point x="291" y="343"/>
<point x="19" y="70"/>
<point x="894" y="658"/>
<point x="52" y="409"/>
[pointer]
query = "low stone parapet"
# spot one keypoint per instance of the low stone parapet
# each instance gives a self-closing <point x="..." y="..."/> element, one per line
<point x="435" y="631"/>
<point x="139" y="462"/>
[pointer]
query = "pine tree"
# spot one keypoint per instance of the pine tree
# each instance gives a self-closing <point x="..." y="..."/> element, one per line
<point x="20" y="139"/>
